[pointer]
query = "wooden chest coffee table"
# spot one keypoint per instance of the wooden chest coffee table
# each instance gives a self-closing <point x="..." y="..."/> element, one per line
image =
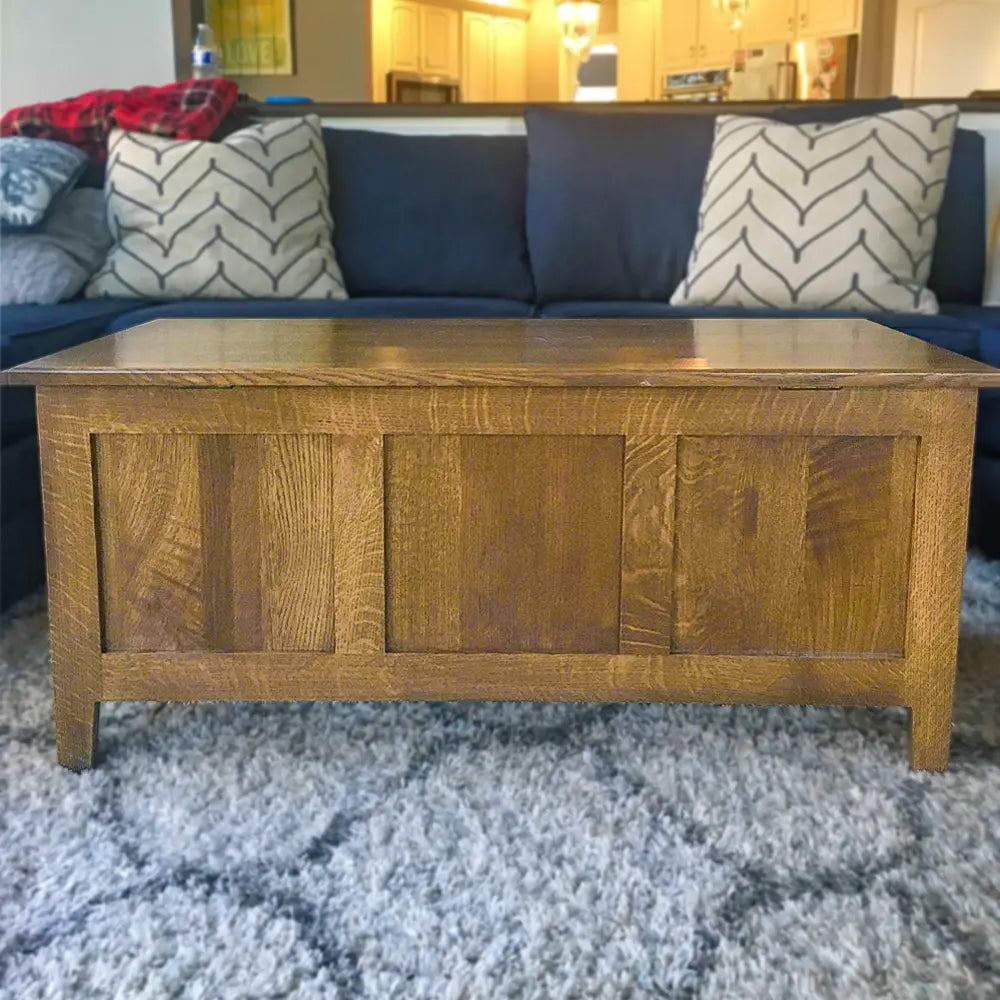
<point x="764" y="511"/>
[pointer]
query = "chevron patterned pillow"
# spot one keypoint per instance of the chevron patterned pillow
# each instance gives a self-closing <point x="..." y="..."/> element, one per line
<point x="248" y="217"/>
<point x="839" y="216"/>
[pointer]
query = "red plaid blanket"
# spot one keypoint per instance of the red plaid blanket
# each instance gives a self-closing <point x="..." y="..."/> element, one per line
<point x="189" y="109"/>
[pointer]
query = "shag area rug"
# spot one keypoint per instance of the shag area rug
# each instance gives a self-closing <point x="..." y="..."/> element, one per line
<point x="453" y="851"/>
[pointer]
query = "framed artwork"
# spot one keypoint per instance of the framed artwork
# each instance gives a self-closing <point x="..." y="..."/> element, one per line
<point x="254" y="36"/>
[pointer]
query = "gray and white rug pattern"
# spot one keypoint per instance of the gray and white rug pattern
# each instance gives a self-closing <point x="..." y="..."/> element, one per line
<point x="224" y="852"/>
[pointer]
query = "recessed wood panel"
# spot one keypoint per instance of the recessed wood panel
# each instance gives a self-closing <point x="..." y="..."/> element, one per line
<point x="503" y="543"/>
<point x="149" y="512"/>
<point x="217" y="542"/>
<point x="792" y="545"/>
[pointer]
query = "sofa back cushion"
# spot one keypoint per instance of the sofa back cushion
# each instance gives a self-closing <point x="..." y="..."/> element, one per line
<point x="613" y="196"/>
<point x="613" y="200"/>
<point x="430" y="215"/>
<point x="958" y="267"/>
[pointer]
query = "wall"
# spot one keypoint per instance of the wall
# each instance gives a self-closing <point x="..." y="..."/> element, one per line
<point x="331" y="54"/>
<point x="946" y="48"/>
<point x="51" y="49"/>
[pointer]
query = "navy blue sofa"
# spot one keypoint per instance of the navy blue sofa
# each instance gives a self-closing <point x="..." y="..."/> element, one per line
<point x="592" y="215"/>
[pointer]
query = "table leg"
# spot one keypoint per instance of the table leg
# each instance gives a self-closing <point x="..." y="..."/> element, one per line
<point x="940" y="523"/>
<point x="71" y="568"/>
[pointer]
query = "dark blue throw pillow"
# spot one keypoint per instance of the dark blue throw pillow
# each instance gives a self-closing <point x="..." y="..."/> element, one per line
<point x="613" y="196"/>
<point x="613" y="200"/>
<point x="958" y="267"/>
<point x="429" y="215"/>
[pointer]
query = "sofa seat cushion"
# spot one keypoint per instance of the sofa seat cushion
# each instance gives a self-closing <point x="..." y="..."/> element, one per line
<point x="430" y="214"/>
<point x="402" y="307"/>
<point x="30" y="331"/>
<point x="958" y="333"/>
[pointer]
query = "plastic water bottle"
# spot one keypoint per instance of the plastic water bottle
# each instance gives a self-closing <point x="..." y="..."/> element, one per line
<point x="204" y="54"/>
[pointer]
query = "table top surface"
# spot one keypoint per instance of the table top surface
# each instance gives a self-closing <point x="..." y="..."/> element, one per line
<point x="537" y="352"/>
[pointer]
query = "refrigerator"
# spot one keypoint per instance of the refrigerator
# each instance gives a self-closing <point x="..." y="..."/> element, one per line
<point x="810" y="69"/>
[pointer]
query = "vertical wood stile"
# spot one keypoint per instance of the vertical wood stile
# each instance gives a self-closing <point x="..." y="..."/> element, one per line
<point x="647" y="544"/>
<point x="359" y="559"/>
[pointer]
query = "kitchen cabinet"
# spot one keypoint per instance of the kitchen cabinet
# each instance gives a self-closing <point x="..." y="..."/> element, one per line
<point x="693" y="36"/>
<point x="820" y="18"/>
<point x="769" y="21"/>
<point x="716" y="39"/>
<point x="494" y="58"/>
<point x="510" y="62"/>
<point x="679" y="32"/>
<point x="405" y="35"/>
<point x="478" y="55"/>
<point x="424" y="38"/>
<point x="637" y="32"/>
<point x="786" y="20"/>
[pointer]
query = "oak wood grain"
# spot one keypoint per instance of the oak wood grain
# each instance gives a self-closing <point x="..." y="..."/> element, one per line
<point x="556" y="677"/>
<point x="941" y="509"/>
<point x="297" y="480"/>
<point x="610" y="511"/>
<point x="149" y="508"/>
<point x="503" y="543"/>
<point x="647" y="544"/>
<point x="71" y="566"/>
<point x="218" y="542"/>
<point x="359" y="560"/>
<point x="492" y="410"/>
<point x="230" y="543"/>
<point x="541" y="352"/>
<point x="792" y="544"/>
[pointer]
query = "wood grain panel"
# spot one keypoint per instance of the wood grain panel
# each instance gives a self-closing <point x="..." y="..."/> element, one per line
<point x="792" y="545"/>
<point x="296" y="480"/>
<point x="71" y="567"/>
<point x="359" y="519"/>
<point x="150" y="530"/>
<point x="647" y="544"/>
<point x="218" y="542"/>
<point x="503" y="543"/>
<point x="502" y="677"/>
<point x="859" y="520"/>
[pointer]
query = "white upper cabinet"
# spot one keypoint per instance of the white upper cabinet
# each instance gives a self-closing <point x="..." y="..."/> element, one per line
<point x="716" y="39"/>
<point x="510" y="61"/>
<point x="494" y="58"/>
<point x="818" y="18"/>
<point x="769" y="21"/>
<point x="405" y="35"/>
<point x="424" y="38"/>
<point x="439" y="27"/>
<point x="678" y="35"/>
<point x="477" y="79"/>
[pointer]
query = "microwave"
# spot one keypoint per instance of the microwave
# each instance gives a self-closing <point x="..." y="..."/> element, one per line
<point x="412" y="88"/>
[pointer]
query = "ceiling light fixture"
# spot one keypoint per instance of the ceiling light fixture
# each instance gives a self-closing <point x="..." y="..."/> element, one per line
<point x="579" y="24"/>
